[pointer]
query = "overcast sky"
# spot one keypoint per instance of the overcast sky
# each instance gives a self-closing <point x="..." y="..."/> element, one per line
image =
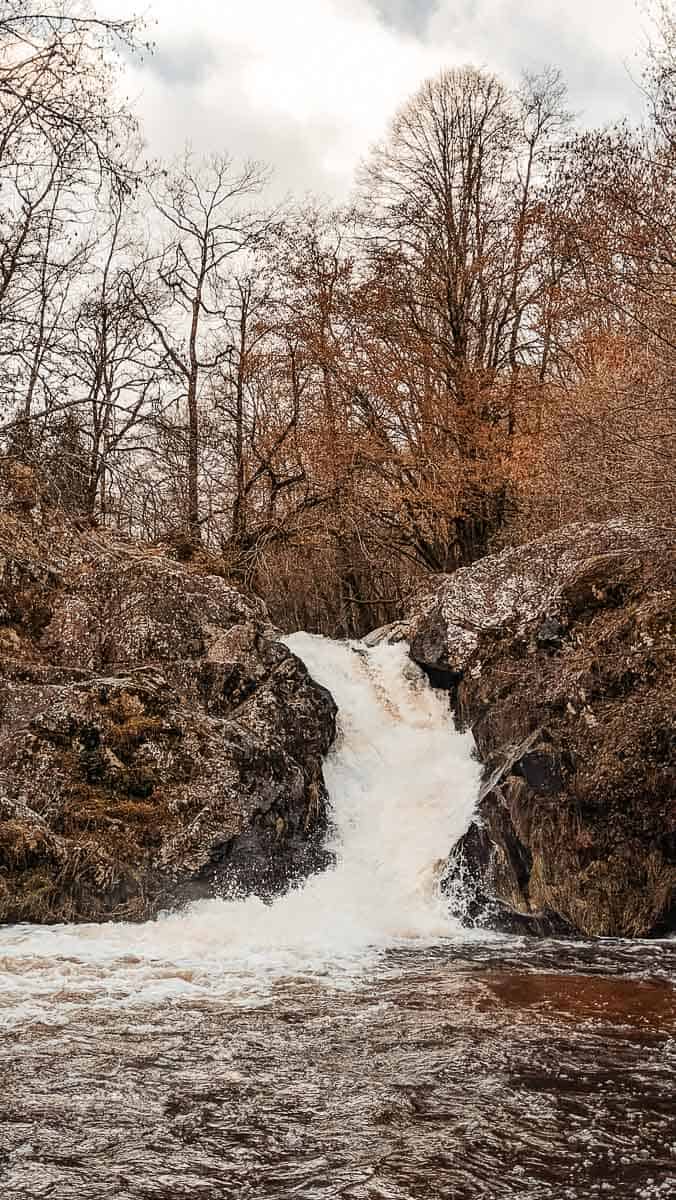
<point x="308" y="85"/>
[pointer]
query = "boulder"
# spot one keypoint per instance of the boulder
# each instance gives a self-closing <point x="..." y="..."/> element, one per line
<point x="157" y="743"/>
<point x="559" y="655"/>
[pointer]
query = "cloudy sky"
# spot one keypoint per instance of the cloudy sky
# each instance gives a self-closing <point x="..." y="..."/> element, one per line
<point x="308" y="85"/>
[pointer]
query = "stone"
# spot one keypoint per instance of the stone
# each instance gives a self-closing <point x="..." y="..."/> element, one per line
<point x="158" y="744"/>
<point x="559" y="655"/>
<point x="551" y="633"/>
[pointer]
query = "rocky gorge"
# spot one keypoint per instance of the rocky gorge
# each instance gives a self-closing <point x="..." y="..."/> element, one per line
<point x="158" y="744"/>
<point x="349" y="1039"/>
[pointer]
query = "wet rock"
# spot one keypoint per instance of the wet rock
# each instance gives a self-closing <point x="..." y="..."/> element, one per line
<point x="560" y="657"/>
<point x="157" y="744"/>
<point x="502" y="918"/>
<point x="393" y="633"/>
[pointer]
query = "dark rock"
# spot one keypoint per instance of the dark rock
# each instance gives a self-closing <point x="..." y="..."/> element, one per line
<point x="441" y="679"/>
<point x="550" y="634"/>
<point x="157" y="744"/>
<point x="560" y="657"/>
<point x="504" y="919"/>
<point x="542" y="770"/>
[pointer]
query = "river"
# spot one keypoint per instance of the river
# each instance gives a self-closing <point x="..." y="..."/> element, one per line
<point x="350" y="1040"/>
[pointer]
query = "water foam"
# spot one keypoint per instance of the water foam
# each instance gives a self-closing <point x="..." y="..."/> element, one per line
<point x="403" y="787"/>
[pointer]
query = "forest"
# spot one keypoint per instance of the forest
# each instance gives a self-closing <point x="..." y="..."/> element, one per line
<point x="330" y="404"/>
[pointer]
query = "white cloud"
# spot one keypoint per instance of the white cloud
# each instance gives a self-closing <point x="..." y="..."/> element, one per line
<point x="597" y="44"/>
<point x="308" y="85"/>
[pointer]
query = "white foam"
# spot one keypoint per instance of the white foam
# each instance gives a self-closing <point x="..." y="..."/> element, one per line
<point x="403" y="787"/>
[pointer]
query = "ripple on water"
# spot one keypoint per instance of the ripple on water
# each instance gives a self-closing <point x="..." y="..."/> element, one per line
<point x="499" y="1070"/>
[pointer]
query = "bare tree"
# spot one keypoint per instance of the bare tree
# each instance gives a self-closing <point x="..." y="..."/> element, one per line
<point x="451" y="198"/>
<point x="56" y="64"/>
<point x="205" y="226"/>
<point x="61" y="140"/>
<point x="111" y="356"/>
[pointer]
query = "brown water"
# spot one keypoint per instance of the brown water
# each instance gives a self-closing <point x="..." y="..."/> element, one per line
<point x="495" y="1070"/>
<point x="349" y="1040"/>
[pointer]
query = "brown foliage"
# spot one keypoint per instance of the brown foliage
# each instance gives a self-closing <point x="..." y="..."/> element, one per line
<point x="338" y="403"/>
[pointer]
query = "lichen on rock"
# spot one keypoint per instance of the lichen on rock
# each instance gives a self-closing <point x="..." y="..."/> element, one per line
<point x="157" y="743"/>
<point x="560" y="657"/>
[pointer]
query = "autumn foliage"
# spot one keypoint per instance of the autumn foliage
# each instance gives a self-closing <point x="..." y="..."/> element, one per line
<point x="336" y="403"/>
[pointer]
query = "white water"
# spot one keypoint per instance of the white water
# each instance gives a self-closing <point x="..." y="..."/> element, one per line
<point x="403" y="787"/>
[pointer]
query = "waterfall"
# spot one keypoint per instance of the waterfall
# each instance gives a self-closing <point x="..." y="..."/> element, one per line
<point x="403" y="786"/>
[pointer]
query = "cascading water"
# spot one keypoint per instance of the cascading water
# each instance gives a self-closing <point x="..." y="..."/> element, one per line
<point x="348" y="1042"/>
<point x="403" y="786"/>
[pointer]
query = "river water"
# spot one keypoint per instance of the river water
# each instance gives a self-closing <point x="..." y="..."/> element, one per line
<point x="350" y="1040"/>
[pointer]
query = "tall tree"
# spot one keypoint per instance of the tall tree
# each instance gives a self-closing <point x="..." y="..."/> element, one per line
<point x="451" y="198"/>
<point x="207" y="222"/>
<point x="61" y="138"/>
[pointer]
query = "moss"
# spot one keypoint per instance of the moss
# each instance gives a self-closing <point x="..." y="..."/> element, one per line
<point x="23" y="847"/>
<point x="125" y="738"/>
<point x="28" y="896"/>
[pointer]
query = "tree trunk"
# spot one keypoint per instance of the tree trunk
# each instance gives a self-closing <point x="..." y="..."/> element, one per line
<point x="194" y="531"/>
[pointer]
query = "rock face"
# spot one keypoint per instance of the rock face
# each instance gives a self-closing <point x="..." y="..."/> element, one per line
<point x="560" y="655"/>
<point x="156" y="743"/>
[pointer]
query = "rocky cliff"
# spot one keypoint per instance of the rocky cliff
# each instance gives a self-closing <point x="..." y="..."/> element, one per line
<point x="560" y="655"/>
<point x="157" y="743"/>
